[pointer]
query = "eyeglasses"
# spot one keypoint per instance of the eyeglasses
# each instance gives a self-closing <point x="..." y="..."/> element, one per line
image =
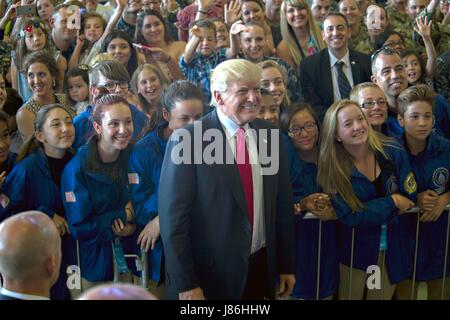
<point x="309" y="127"/>
<point x="371" y="103"/>
<point x="112" y="85"/>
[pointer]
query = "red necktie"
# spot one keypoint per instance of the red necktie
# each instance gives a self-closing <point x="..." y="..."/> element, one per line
<point x="245" y="170"/>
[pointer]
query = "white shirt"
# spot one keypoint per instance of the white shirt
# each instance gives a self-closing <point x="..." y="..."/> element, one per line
<point x="334" y="73"/>
<point x="231" y="128"/>
<point x="21" y="296"/>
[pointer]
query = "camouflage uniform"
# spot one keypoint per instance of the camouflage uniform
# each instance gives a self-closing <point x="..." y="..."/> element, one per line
<point x="442" y="76"/>
<point x="444" y="44"/>
<point x="365" y="47"/>
<point x="397" y="20"/>
<point x="360" y="37"/>
<point x="402" y="24"/>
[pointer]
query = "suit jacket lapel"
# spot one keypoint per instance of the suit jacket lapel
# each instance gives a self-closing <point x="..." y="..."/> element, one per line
<point x="229" y="171"/>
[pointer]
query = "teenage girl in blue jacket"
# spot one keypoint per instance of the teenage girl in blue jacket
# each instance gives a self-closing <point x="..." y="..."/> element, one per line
<point x="34" y="183"/>
<point x="95" y="193"/>
<point x="365" y="173"/>
<point x="181" y="105"/>
<point x="302" y="126"/>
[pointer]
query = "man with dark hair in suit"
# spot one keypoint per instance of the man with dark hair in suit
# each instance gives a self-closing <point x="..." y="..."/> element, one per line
<point x="226" y="214"/>
<point x="329" y="75"/>
<point x="30" y="256"/>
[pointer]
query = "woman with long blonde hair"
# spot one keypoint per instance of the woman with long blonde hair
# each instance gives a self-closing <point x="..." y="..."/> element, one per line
<point x="369" y="179"/>
<point x="301" y="34"/>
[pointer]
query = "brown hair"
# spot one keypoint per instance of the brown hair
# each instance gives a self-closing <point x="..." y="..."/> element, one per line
<point x="419" y="92"/>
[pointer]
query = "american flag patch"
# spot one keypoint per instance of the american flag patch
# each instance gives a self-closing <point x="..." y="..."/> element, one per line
<point x="4" y="200"/>
<point x="133" y="178"/>
<point x="70" y="197"/>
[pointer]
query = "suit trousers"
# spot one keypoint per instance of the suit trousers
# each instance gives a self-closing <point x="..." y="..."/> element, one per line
<point x="256" y="287"/>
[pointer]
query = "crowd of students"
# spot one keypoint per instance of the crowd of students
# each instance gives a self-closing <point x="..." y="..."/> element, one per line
<point x="88" y="111"/>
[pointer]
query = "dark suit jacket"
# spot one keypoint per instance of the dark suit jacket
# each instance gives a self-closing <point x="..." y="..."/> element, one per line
<point x="204" y="221"/>
<point x="316" y="81"/>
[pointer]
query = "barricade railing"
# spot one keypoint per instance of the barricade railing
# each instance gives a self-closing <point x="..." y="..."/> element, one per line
<point x="417" y="211"/>
<point x="307" y="216"/>
<point x="141" y="263"/>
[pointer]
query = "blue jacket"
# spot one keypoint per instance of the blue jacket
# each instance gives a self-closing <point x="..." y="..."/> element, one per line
<point x="391" y="127"/>
<point x="431" y="168"/>
<point x="8" y="165"/>
<point x="396" y="176"/>
<point x="30" y="186"/>
<point x="303" y="180"/>
<point x="442" y="116"/>
<point x="92" y="202"/>
<point x="143" y="177"/>
<point x="84" y="127"/>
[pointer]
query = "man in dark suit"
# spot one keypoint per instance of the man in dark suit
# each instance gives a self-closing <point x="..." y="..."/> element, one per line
<point x="323" y="77"/>
<point x="226" y="213"/>
<point x="30" y="256"/>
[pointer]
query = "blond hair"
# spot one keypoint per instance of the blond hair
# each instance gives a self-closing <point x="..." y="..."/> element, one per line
<point x="233" y="70"/>
<point x="354" y="94"/>
<point x="288" y="34"/>
<point x="335" y="162"/>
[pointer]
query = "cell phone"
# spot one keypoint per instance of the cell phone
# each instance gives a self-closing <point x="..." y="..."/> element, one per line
<point x="26" y="10"/>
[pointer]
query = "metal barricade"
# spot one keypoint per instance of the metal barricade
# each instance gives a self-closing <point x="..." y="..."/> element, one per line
<point x="141" y="262"/>
<point x="352" y="255"/>
<point x="417" y="211"/>
<point x="310" y="215"/>
<point x="79" y="264"/>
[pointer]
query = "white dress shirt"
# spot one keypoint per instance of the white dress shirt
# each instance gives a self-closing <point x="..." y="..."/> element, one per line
<point x="334" y="73"/>
<point x="231" y="128"/>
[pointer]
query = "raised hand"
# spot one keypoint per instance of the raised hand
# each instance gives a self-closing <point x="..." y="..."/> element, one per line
<point x="232" y="12"/>
<point x="195" y="31"/>
<point x="423" y="27"/>
<point x="238" y="27"/>
<point x="204" y="5"/>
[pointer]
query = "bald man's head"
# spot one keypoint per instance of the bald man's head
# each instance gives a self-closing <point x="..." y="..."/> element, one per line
<point x="117" y="292"/>
<point x="30" y="248"/>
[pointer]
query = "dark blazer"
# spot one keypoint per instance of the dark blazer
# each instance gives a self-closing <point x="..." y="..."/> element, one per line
<point x="204" y="220"/>
<point x="317" y="83"/>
